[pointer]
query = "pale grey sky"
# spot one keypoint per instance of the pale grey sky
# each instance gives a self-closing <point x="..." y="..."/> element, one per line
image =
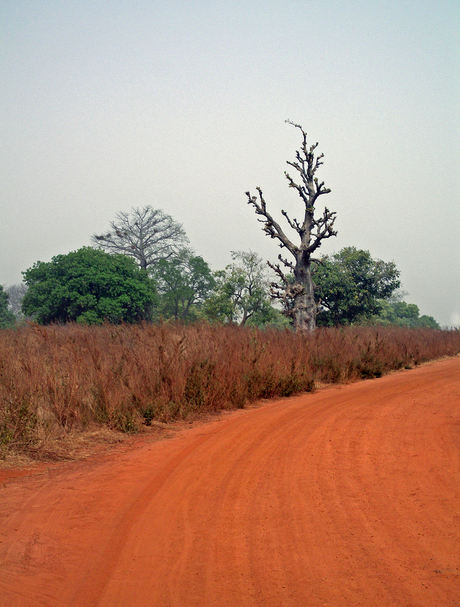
<point x="110" y="104"/>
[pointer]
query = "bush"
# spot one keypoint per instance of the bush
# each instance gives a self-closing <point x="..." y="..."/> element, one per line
<point x="88" y="286"/>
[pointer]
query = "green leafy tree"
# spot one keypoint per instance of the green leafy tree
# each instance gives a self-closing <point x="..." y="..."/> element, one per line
<point x="183" y="283"/>
<point x="403" y="314"/>
<point x="88" y="286"/>
<point x="7" y="318"/>
<point x="242" y="294"/>
<point x="350" y="285"/>
<point x="427" y="322"/>
<point x="295" y="285"/>
<point x="145" y="234"/>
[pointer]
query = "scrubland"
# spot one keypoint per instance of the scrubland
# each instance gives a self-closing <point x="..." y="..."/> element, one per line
<point x="56" y="380"/>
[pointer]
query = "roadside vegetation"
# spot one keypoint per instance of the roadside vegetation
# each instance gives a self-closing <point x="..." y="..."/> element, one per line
<point x="138" y="330"/>
<point x="59" y="379"/>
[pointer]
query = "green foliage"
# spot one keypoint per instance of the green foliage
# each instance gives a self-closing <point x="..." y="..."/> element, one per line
<point x="183" y="283"/>
<point x="427" y="322"/>
<point x="88" y="286"/>
<point x="7" y="318"/>
<point x="242" y="293"/>
<point x="404" y="315"/>
<point x="351" y="285"/>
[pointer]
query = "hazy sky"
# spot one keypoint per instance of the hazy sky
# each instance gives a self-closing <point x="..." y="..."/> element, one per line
<point x="110" y="104"/>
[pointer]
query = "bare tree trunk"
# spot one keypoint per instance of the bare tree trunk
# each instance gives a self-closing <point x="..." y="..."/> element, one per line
<point x="304" y="309"/>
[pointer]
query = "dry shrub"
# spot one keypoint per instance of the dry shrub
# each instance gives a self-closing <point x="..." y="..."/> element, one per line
<point x="58" y="378"/>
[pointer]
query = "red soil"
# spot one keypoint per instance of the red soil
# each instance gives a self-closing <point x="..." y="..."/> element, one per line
<point x="350" y="496"/>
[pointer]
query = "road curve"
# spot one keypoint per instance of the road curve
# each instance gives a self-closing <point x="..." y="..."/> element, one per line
<point x="346" y="497"/>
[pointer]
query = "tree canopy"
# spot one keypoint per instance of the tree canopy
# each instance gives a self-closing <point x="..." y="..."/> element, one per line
<point x="146" y="234"/>
<point x="296" y="288"/>
<point x="183" y="282"/>
<point x="242" y="292"/>
<point x="403" y="314"/>
<point x="350" y="285"/>
<point x="88" y="286"/>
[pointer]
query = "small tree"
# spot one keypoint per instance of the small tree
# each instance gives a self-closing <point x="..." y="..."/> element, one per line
<point x="403" y="314"/>
<point x="183" y="282"/>
<point x="242" y="293"/>
<point x="351" y="285"/>
<point x="146" y="234"/>
<point x="88" y="286"/>
<point x="296" y="288"/>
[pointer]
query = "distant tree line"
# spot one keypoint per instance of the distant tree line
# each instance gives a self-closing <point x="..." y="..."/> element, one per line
<point x="143" y="269"/>
<point x="155" y="275"/>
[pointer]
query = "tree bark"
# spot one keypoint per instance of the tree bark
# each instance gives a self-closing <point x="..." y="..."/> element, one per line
<point x="304" y="311"/>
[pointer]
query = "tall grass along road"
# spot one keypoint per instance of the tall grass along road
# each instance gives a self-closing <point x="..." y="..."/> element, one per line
<point x="59" y="380"/>
<point x="349" y="496"/>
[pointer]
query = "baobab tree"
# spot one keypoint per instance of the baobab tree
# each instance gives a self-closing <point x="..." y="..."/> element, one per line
<point x="295" y="287"/>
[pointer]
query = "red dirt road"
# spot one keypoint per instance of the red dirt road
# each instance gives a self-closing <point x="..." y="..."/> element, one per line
<point x="350" y="496"/>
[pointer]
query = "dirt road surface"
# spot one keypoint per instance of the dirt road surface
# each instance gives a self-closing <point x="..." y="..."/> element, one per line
<point x="347" y="497"/>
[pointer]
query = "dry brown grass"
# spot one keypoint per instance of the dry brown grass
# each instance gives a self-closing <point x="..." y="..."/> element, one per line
<point x="60" y="379"/>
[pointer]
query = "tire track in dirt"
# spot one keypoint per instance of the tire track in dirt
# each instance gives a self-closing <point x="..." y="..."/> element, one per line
<point x="350" y="496"/>
<point x="98" y="566"/>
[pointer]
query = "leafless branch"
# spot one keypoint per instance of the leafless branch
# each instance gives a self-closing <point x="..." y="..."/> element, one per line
<point x="146" y="234"/>
<point x="293" y="224"/>
<point x="324" y="229"/>
<point x="271" y="227"/>
<point x="286" y="262"/>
